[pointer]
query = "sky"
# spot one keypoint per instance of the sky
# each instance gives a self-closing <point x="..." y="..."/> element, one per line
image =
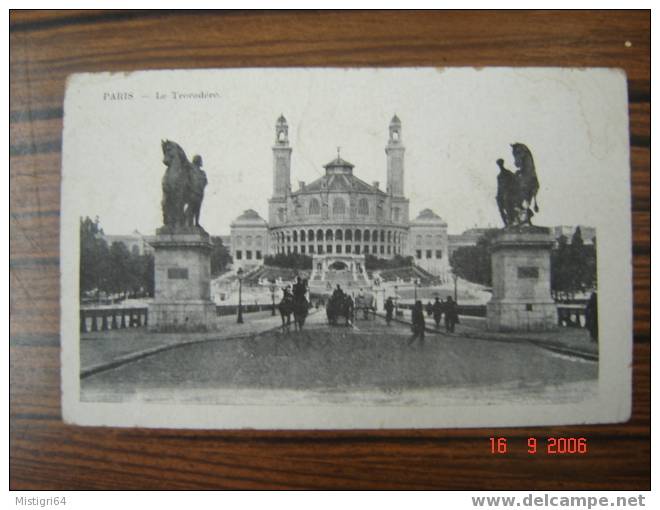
<point x="456" y="122"/>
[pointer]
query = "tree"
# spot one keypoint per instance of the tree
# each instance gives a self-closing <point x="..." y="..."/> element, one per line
<point x="472" y="263"/>
<point x="560" y="277"/>
<point x="220" y="256"/>
<point x="289" y="260"/>
<point x="578" y="261"/>
<point x="573" y="266"/>
<point x="114" y="269"/>
<point x="371" y="262"/>
<point x="93" y="257"/>
<point x="148" y="269"/>
<point x="120" y="270"/>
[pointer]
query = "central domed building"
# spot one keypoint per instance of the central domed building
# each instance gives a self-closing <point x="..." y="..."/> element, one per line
<point x="339" y="218"/>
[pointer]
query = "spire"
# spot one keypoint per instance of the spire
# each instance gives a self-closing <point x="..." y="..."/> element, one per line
<point x="395" y="130"/>
<point x="281" y="131"/>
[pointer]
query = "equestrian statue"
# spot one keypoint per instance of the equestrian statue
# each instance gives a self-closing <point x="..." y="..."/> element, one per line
<point x="516" y="192"/>
<point x="183" y="187"/>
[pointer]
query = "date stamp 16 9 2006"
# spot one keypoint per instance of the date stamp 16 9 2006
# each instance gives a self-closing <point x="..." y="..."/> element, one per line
<point x="549" y="445"/>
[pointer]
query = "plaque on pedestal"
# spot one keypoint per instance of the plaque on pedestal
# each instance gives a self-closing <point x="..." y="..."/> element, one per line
<point x="182" y="300"/>
<point x="521" y="281"/>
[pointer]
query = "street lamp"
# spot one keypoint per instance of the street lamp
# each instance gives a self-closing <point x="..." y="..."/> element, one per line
<point x="272" y="295"/>
<point x="415" y="283"/>
<point x="239" y="273"/>
<point x="396" y="300"/>
<point x="455" y="276"/>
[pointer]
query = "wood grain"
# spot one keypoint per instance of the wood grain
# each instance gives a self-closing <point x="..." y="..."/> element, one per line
<point x="46" y="46"/>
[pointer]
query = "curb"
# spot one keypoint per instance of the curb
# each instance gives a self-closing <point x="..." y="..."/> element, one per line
<point x="135" y="356"/>
<point x="587" y="356"/>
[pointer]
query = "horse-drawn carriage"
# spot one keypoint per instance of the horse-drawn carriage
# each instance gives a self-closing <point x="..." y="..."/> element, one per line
<point x="365" y="303"/>
<point x="340" y="305"/>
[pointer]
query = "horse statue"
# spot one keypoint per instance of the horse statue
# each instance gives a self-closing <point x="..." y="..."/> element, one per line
<point x="183" y="187"/>
<point x="198" y="182"/>
<point x="516" y="192"/>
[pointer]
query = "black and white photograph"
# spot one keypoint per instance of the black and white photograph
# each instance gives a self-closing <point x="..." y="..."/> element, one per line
<point x="346" y="248"/>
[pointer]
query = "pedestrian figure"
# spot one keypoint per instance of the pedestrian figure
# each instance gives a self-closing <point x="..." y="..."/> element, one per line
<point x="429" y="309"/>
<point x="337" y="294"/>
<point x="389" y="308"/>
<point x="350" y="309"/>
<point x="286" y="308"/>
<point x="451" y="314"/>
<point x="418" y="323"/>
<point x="438" y="307"/>
<point x="591" y="316"/>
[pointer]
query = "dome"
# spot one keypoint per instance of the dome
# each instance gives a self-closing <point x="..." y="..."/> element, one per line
<point x="427" y="216"/>
<point x="339" y="177"/>
<point x="338" y="165"/>
<point x="250" y="217"/>
<point x="395" y="120"/>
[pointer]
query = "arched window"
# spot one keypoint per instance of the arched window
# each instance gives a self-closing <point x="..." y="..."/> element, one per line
<point x="374" y="236"/>
<point x="339" y="236"/>
<point x="367" y="236"/>
<point x="319" y="235"/>
<point x="363" y="207"/>
<point x="348" y="235"/>
<point x="382" y="236"/>
<point x="310" y="235"/>
<point x="338" y="207"/>
<point x="302" y="236"/>
<point x="328" y="235"/>
<point x="389" y="236"/>
<point x="314" y="206"/>
<point x="295" y="236"/>
<point x="358" y="236"/>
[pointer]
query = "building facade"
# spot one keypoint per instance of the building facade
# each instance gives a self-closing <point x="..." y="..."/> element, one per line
<point x="428" y="240"/>
<point x="249" y="240"/>
<point x="338" y="219"/>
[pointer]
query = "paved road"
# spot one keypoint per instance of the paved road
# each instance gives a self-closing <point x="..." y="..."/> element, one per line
<point x="371" y="357"/>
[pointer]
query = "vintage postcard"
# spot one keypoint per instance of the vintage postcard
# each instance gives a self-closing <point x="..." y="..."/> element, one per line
<point x="346" y="248"/>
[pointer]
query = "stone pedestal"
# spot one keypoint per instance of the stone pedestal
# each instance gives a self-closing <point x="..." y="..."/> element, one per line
<point x="521" y="281"/>
<point x="182" y="300"/>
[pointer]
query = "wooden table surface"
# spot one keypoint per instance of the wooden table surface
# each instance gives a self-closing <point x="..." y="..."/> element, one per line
<point x="46" y="46"/>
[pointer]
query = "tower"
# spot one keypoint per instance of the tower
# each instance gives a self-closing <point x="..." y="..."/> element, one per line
<point x="395" y="151"/>
<point x="281" y="160"/>
<point x="399" y="204"/>
<point x="277" y="205"/>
